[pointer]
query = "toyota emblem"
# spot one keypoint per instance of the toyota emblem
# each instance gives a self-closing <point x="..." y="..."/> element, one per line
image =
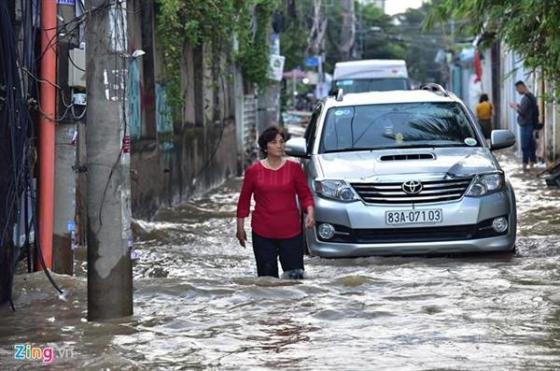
<point x="412" y="187"/>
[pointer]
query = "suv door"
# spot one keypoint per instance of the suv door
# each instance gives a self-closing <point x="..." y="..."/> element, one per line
<point x="310" y="136"/>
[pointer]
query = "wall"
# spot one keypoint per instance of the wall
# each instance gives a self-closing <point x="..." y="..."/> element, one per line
<point x="512" y="70"/>
<point x="201" y="159"/>
<point x="195" y="152"/>
<point x="501" y="68"/>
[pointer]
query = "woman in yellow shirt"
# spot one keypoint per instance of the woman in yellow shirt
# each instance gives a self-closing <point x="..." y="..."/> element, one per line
<point x="484" y="114"/>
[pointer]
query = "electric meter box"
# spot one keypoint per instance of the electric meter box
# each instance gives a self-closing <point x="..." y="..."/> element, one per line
<point x="76" y="68"/>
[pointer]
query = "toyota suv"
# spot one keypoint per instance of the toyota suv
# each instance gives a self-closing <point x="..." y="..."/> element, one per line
<point x="404" y="172"/>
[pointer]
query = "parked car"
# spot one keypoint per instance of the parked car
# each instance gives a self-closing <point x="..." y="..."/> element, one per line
<point x="404" y="172"/>
<point x="371" y="75"/>
<point x="295" y="122"/>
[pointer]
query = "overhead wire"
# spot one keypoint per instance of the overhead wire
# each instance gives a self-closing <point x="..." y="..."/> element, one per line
<point x="62" y="28"/>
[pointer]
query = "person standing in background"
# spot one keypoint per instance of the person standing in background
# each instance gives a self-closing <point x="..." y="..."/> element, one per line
<point x="527" y="118"/>
<point x="484" y="112"/>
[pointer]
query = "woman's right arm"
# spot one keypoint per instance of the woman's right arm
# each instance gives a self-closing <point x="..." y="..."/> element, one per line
<point x="244" y="205"/>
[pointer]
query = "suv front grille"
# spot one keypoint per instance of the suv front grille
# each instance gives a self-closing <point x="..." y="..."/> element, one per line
<point x="393" y="193"/>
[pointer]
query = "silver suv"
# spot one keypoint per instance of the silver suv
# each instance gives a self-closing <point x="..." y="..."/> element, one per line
<point x="404" y="172"/>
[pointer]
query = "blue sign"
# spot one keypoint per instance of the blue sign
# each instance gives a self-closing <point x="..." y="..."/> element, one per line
<point x="66" y="2"/>
<point x="71" y="226"/>
<point x="275" y="44"/>
<point x="312" y="61"/>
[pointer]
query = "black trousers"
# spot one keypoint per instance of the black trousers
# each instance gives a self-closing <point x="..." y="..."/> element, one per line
<point x="267" y="251"/>
<point x="486" y="127"/>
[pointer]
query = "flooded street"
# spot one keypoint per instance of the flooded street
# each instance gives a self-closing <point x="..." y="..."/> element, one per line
<point x="198" y="304"/>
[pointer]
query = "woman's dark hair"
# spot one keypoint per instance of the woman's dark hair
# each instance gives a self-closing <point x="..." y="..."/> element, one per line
<point x="483" y="98"/>
<point x="268" y="136"/>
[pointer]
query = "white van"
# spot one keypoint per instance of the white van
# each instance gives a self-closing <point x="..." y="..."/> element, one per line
<point x="371" y="75"/>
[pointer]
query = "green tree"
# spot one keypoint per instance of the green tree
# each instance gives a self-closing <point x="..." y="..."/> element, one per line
<point x="214" y="23"/>
<point x="378" y="37"/>
<point x="293" y="40"/>
<point x="530" y="27"/>
<point x="370" y="19"/>
<point x="402" y="37"/>
<point x="421" y="45"/>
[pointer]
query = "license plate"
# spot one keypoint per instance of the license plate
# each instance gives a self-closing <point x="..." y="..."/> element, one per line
<point x="424" y="216"/>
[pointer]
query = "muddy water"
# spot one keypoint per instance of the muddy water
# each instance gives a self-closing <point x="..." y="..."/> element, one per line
<point x="199" y="306"/>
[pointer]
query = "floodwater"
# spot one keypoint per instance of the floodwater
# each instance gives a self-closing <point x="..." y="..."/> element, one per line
<point x="198" y="304"/>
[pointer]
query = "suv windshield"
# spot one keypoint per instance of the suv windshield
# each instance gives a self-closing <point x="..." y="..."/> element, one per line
<point x="365" y="85"/>
<point x="397" y="125"/>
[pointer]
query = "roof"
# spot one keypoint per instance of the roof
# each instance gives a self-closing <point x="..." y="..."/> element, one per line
<point x="384" y="97"/>
<point x="373" y="62"/>
<point x="370" y="68"/>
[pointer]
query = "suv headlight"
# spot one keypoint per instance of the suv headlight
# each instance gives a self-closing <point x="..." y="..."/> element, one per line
<point x="336" y="190"/>
<point x="485" y="183"/>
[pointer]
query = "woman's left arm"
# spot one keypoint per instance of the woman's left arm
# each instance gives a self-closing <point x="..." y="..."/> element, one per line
<point x="310" y="217"/>
<point x="305" y="196"/>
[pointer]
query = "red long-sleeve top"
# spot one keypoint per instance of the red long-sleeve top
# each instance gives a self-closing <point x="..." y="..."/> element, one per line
<point x="276" y="214"/>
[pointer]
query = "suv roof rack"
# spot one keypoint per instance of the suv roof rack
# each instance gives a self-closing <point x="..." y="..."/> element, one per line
<point x="434" y="88"/>
<point x="337" y="94"/>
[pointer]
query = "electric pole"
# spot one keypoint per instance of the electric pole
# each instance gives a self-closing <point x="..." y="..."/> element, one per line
<point x="108" y="162"/>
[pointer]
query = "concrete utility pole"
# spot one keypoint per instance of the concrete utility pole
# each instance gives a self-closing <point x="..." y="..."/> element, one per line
<point x="108" y="163"/>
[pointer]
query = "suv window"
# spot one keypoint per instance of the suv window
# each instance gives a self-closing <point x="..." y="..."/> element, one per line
<point x="311" y="130"/>
<point x="397" y="125"/>
<point x="365" y="85"/>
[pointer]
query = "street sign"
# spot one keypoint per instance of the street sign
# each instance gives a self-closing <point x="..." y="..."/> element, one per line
<point x="276" y="67"/>
<point x="312" y="61"/>
<point x="275" y="44"/>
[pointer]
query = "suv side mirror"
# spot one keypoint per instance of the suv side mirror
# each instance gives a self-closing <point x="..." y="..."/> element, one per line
<point x="501" y="139"/>
<point x="296" y="147"/>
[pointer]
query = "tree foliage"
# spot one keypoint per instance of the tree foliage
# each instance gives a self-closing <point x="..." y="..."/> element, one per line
<point x="530" y="27"/>
<point x="213" y="22"/>
<point x="421" y="45"/>
<point x="378" y="36"/>
<point x="293" y="41"/>
<point x="254" y="50"/>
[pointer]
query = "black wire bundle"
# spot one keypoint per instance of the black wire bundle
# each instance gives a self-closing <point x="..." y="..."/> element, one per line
<point x="16" y="132"/>
<point x="18" y="99"/>
<point x="19" y="88"/>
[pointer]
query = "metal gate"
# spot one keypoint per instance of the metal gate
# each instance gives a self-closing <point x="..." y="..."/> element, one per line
<point x="249" y="129"/>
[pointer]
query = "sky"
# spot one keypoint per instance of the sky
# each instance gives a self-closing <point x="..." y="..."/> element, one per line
<point x="399" y="6"/>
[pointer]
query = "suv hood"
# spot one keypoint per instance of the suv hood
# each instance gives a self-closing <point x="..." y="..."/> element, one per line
<point x="367" y="166"/>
